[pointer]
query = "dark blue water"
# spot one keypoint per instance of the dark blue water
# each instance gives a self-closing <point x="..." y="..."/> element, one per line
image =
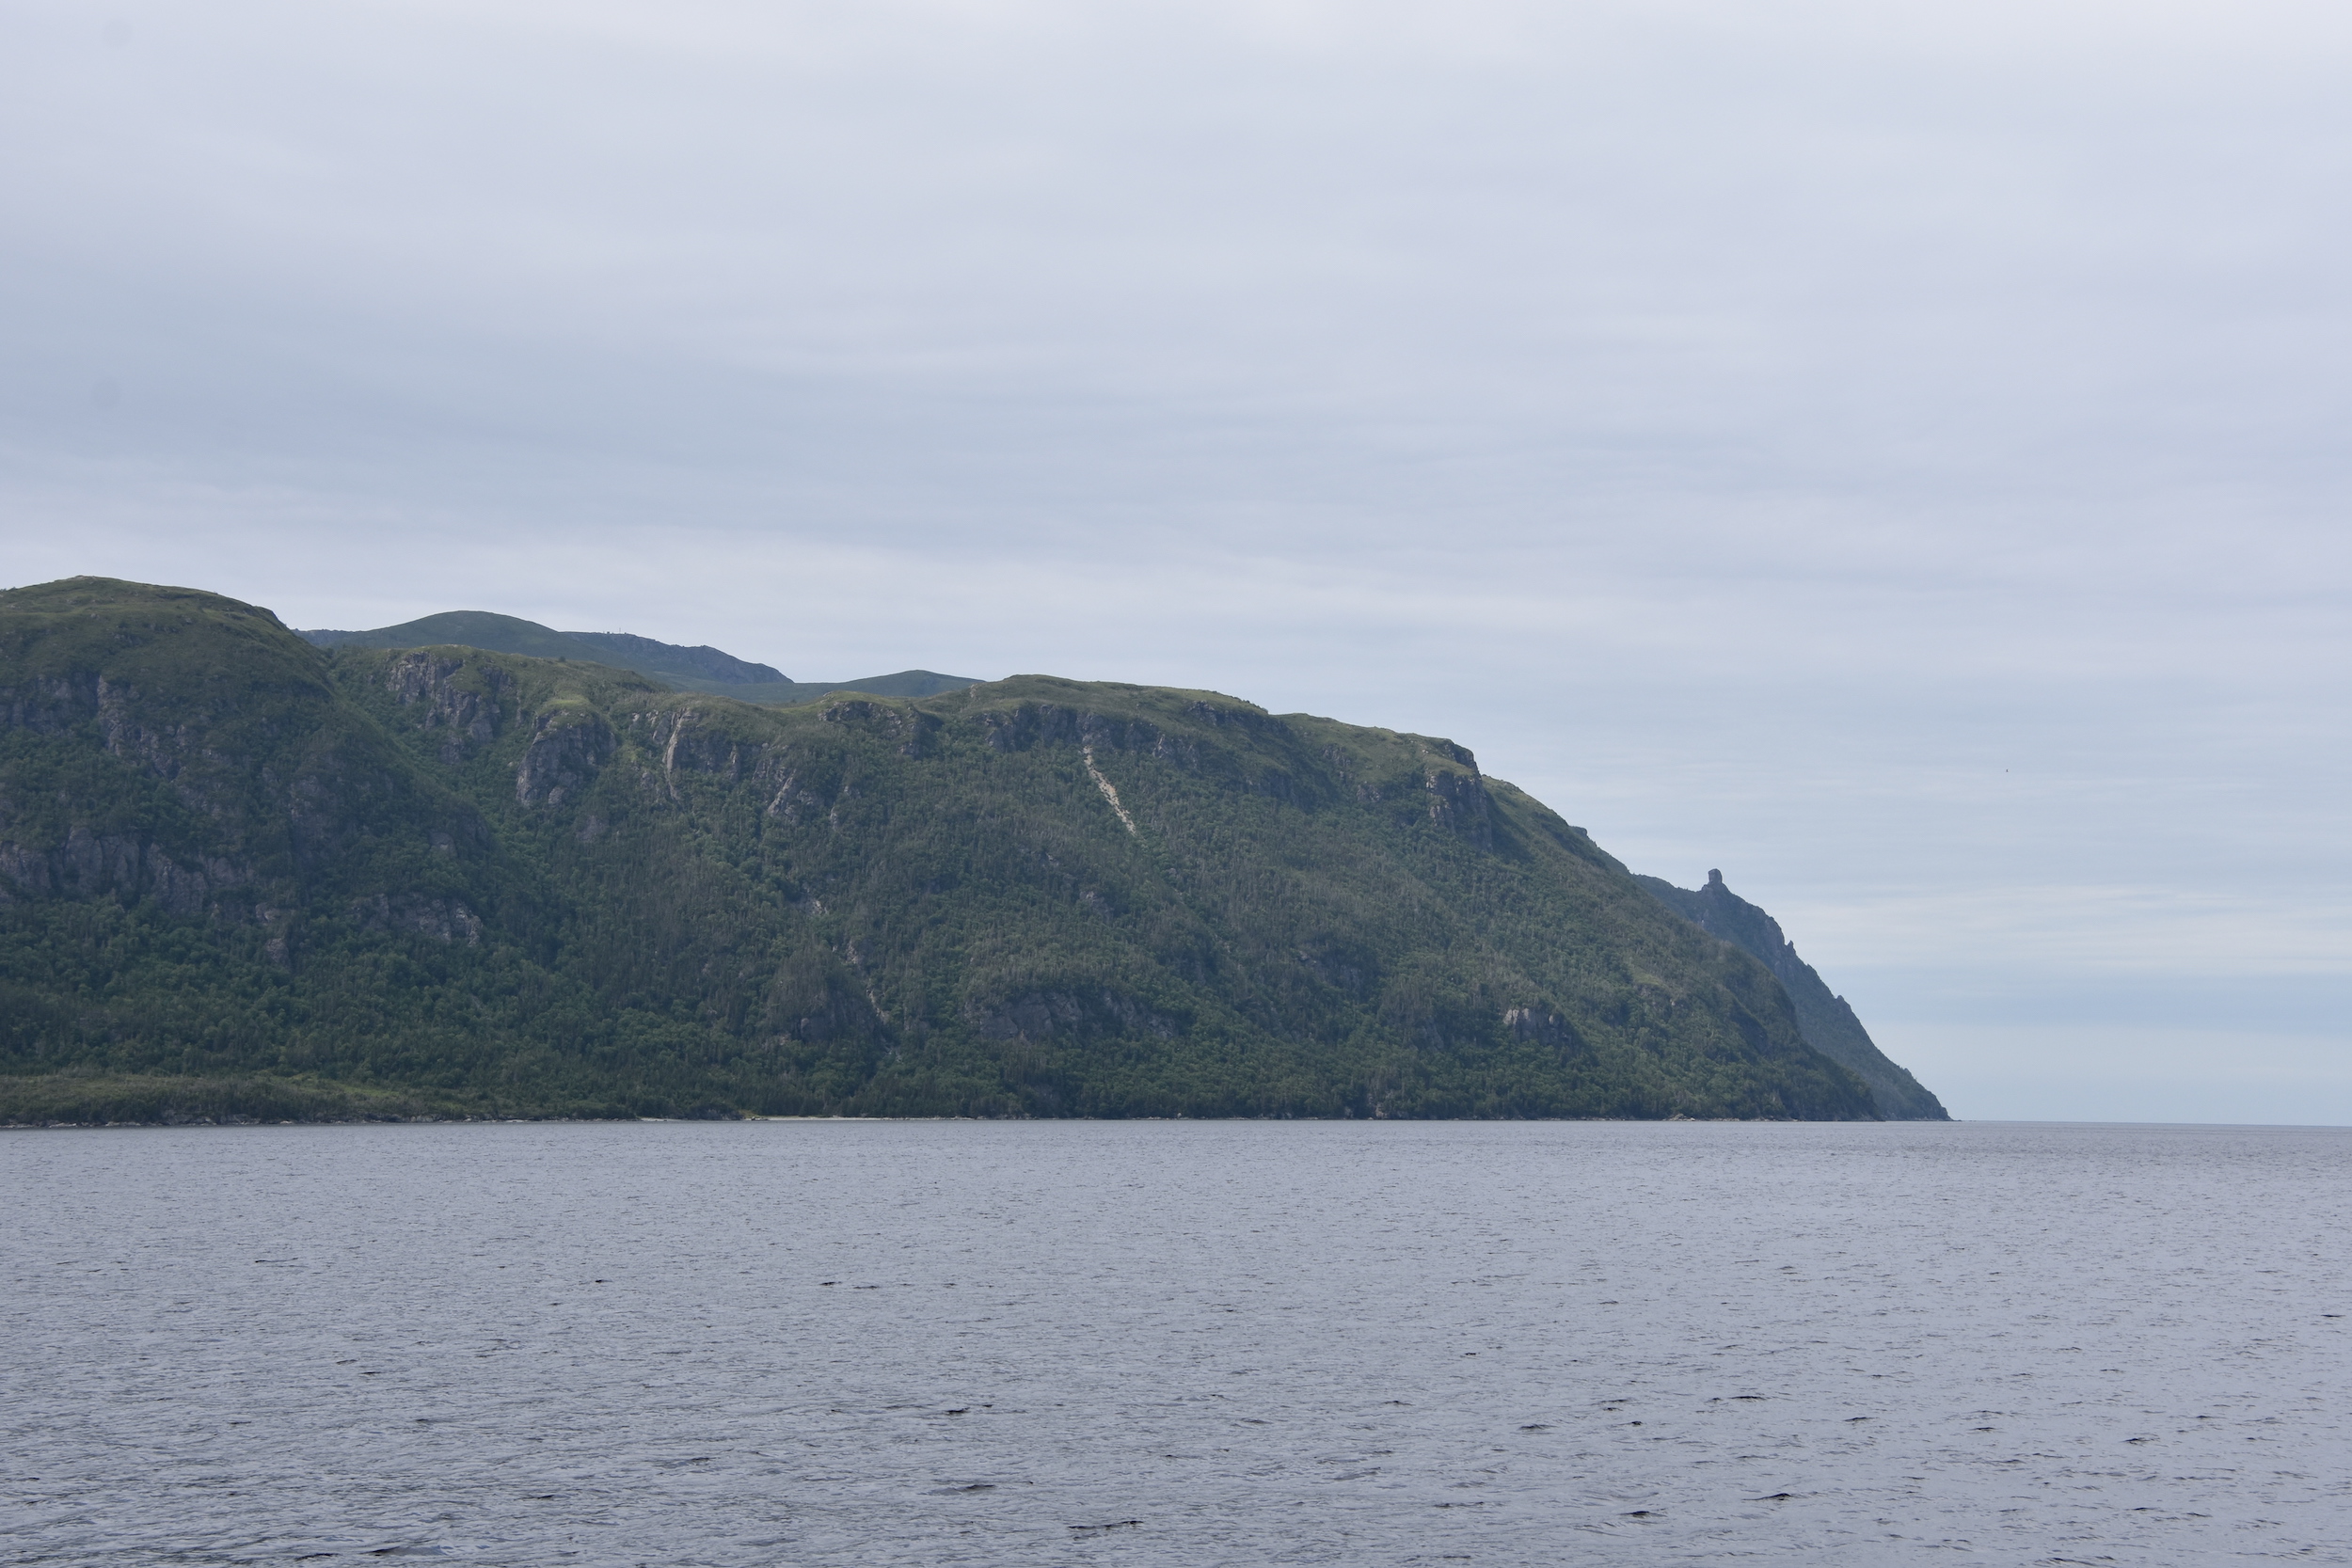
<point x="864" y="1343"/>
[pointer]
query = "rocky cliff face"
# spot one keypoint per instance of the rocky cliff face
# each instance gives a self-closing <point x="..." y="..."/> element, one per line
<point x="1828" y="1023"/>
<point x="174" y="748"/>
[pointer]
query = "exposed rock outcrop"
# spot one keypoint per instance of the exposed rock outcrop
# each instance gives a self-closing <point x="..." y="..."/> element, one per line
<point x="466" y="714"/>
<point x="125" y="866"/>
<point x="567" y="750"/>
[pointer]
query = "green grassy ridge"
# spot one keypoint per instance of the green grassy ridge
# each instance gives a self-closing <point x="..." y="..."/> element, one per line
<point x="552" y="884"/>
<point x="74" y="1100"/>
<point x="154" y="1099"/>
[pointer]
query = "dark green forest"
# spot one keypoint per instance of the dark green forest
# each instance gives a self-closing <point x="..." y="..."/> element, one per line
<point x="243" y="876"/>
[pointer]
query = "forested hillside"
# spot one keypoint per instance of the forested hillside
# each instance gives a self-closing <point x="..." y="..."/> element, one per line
<point x="240" y="873"/>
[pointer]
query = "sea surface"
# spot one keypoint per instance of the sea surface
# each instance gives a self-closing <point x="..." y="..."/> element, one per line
<point x="1177" y="1343"/>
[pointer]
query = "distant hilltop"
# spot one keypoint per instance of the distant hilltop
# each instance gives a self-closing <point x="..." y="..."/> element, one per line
<point x="675" y="665"/>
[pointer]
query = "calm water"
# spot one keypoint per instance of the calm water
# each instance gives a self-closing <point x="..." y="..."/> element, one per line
<point x="810" y="1343"/>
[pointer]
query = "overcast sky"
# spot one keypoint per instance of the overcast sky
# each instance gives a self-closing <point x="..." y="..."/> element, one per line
<point x="1896" y="454"/>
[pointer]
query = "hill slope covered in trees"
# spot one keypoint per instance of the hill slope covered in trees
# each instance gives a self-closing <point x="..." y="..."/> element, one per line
<point x="240" y="873"/>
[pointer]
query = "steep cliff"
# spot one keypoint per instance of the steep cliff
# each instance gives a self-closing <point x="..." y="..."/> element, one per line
<point x="1829" y="1025"/>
